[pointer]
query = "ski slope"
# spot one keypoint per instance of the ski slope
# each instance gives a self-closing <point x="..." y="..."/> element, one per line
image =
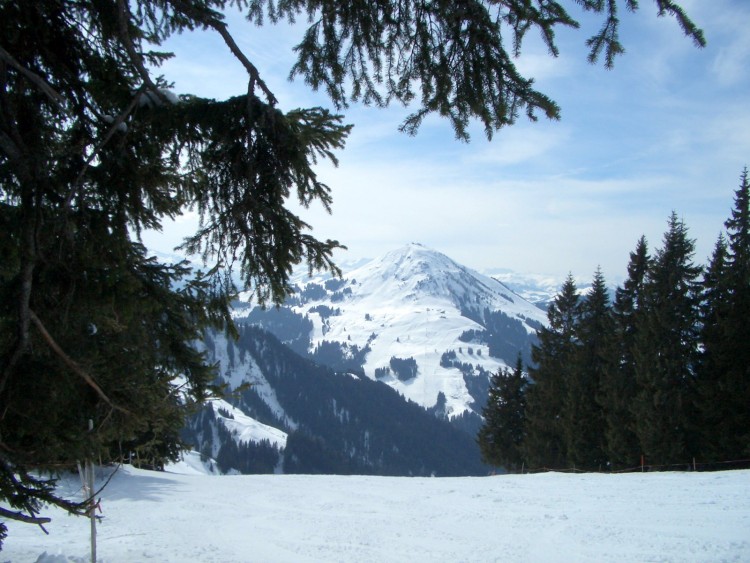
<point x="171" y="517"/>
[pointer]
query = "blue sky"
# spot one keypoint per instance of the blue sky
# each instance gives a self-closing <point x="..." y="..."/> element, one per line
<point x="667" y="129"/>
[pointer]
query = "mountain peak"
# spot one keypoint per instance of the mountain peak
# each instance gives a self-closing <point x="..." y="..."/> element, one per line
<point x="418" y="321"/>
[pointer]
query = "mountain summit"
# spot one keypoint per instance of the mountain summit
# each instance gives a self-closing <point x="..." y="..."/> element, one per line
<point x="432" y="329"/>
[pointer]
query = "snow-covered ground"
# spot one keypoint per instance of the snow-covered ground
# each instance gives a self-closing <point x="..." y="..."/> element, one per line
<point x="170" y="517"/>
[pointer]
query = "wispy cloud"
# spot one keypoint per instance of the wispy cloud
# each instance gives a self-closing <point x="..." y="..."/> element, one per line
<point x="667" y="129"/>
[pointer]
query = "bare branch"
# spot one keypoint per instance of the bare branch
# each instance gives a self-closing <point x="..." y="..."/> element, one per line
<point x="221" y="28"/>
<point x="72" y="364"/>
<point x="33" y="77"/>
<point x="135" y="57"/>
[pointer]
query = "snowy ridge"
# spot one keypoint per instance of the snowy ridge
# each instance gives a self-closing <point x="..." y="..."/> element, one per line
<point x="415" y="303"/>
<point x="415" y="320"/>
<point x="244" y="428"/>
<point x="239" y="371"/>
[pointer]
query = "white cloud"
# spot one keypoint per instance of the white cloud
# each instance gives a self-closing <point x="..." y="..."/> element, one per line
<point x="668" y="128"/>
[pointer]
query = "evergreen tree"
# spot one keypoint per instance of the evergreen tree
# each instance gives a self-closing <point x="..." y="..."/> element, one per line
<point x="666" y="351"/>
<point x="714" y="311"/>
<point x="618" y="384"/>
<point x="502" y="433"/>
<point x="94" y="149"/>
<point x="725" y="373"/>
<point x="584" y="420"/>
<point x="553" y="357"/>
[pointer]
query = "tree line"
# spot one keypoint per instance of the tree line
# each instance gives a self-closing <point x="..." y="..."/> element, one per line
<point x="660" y="373"/>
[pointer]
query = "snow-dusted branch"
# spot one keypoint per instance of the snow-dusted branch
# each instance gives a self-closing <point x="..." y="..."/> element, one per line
<point x="21" y="517"/>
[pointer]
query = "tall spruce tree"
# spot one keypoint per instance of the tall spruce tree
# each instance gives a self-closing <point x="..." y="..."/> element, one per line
<point x="666" y="352"/>
<point x="502" y="433"/>
<point x="545" y="444"/>
<point x="715" y="308"/>
<point x="725" y="373"/>
<point x="584" y="419"/>
<point x="94" y="148"/>
<point x="618" y="383"/>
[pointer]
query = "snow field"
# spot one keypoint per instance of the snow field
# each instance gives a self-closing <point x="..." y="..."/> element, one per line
<point x="169" y="517"/>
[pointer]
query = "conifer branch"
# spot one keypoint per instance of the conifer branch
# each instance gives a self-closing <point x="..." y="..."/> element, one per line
<point x="255" y="78"/>
<point x="37" y="80"/>
<point x="135" y="57"/>
<point x="21" y="517"/>
<point x="210" y="20"/>
<point x="72" y="364"/>
<point x="98" y="148"/>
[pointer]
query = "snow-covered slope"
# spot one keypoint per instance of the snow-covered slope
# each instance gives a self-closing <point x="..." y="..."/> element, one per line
<point x="417" y="305"/>
<point x="553" y="517"/>
<point x="284" y="413"/>
<point x="538" y="289"/>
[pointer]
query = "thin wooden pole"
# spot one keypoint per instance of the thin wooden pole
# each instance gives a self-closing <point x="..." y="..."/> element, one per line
<point x="92" y="510"/>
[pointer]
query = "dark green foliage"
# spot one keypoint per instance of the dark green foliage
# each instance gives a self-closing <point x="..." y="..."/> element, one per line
<point x="618" y="384"/>
<point x="404" y="368"/>
<point x="340" y="356"/>
<point x="93" y="151"/>
<point x="358" y="425"/>
<point x="477" y="381"/>
<point x="584" y="420"/>
<point x="554" y="358"/>
<point x="312" y="292"/>
<point x="503" y="335"/>
<point x="662" y="372"/>
<point x="501" y="437"/>
<point x="380" y="373"/>
<point x="291" y="328"/>
<point x="309" y="454"/>
<point x="564" y="420"/>
<point x="325" y="311"/>
<point x="247" y="458"/>
<point x="725" y="363"/>
<point x="666" y="351"/>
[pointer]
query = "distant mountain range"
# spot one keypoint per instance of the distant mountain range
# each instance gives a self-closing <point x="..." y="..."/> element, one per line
<point x="384" y="370"/>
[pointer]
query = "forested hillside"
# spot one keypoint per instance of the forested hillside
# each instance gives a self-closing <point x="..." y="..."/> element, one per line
<point x="660" y="376"/>
<point x="335" y="422"/>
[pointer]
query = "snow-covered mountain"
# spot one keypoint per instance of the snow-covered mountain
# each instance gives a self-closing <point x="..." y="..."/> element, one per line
<point x="285" y="414"/>
<point x="384" y="370"/>
<point x="538" y="289"/>
<point x="413" y="318"/>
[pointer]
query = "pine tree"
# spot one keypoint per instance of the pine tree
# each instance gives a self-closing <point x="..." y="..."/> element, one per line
<point x="502" y="433"/>
<point x="618" y="385"/>
<point x="666" y="352"/>
<point x="725" y="373"/>
<point x="553" y="357"/>
<point x="584" y="420"/>
<point x="94" y="149"/>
